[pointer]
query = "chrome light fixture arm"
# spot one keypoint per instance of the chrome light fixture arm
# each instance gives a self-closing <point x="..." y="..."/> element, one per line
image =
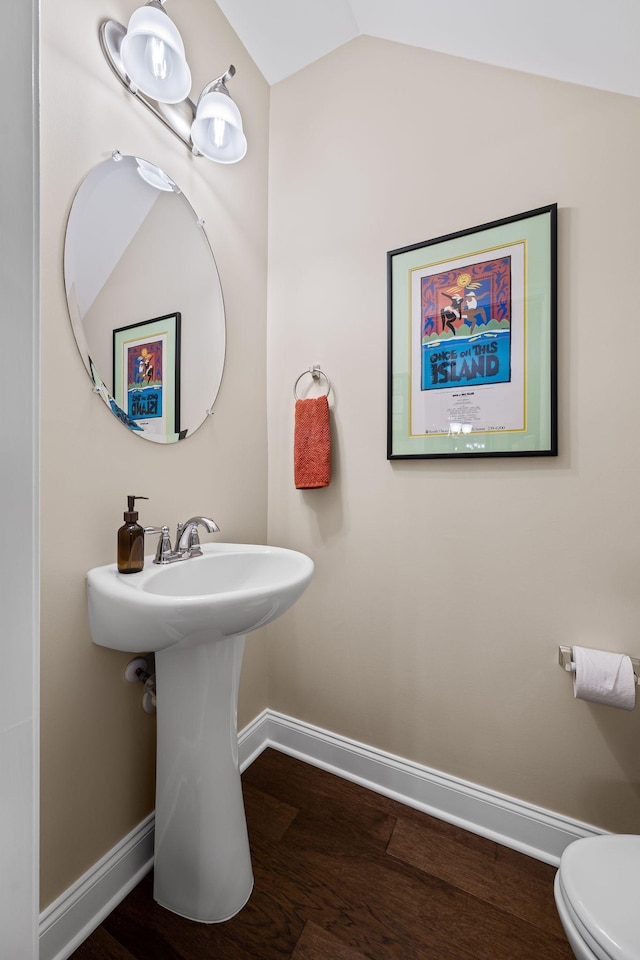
<point x="219" y="84"/>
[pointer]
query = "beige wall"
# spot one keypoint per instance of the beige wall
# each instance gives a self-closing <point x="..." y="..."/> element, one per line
<point x="97" y="745"/>
<point x="443" y="588"/>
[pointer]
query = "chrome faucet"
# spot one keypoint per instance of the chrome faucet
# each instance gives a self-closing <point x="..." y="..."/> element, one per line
<point x="187" y="537"/>
<point x="187" y="540"/>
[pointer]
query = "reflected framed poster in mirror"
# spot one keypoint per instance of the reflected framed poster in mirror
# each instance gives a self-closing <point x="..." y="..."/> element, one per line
<point x="135" y="248"/>
<point x="146" y="375"/>
<point x="472" y="367"/>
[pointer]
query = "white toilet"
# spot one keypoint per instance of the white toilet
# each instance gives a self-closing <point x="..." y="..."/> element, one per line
<point x="597" y="891"/>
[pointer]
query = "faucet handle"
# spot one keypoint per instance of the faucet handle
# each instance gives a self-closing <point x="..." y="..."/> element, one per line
<point x="164" y="543"/>
<point x="194" y="548"/>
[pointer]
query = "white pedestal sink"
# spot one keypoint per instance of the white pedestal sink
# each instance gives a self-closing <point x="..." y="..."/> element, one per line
<point x="194" y="615"/>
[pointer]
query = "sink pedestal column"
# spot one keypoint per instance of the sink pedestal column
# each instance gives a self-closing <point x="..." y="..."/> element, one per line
<point x="202" y="860"/>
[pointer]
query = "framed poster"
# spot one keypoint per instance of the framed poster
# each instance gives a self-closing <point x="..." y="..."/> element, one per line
<point x="146" y="375"/>
<point x="472" y="366"/>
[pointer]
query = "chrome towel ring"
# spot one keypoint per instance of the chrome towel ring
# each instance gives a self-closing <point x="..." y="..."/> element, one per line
<point x="317" y="374"/>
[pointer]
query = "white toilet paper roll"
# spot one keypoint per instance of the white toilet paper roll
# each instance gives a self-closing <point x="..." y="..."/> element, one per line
<point x="603" y="677"/>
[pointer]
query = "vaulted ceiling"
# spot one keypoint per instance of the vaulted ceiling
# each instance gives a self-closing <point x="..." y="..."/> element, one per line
<point x="590" y="42"/>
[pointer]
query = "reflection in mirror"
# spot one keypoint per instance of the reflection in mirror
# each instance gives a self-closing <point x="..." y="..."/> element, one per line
<point x="144" y="298"/>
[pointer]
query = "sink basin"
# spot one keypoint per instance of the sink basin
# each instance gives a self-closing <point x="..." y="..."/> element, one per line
<point x="194" y="614"/>
<point x="230" y="590"/>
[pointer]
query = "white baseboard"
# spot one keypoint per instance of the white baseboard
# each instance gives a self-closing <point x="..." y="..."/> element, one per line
<point x="539" y="833"/>
<point x="253" y="739"/>
<point x="71" y="918"/>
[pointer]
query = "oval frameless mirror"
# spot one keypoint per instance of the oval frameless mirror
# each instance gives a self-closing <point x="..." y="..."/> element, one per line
<point x="144" y="298"/>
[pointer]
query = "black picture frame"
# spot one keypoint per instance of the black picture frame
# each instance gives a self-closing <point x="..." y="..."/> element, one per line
<point x="146" y="375"/>
<point x="472" y="342"/>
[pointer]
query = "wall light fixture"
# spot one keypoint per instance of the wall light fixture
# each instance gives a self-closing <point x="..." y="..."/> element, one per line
<point x="148" y="58"/>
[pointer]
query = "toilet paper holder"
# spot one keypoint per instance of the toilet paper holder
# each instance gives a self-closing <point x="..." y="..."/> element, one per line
<point x="566" y="661"/>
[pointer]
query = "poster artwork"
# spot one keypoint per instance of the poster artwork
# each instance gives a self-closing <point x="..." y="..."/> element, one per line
<point x="466" y="325"/>
<point x="145" y="379"/>
<point x="468" y="336"/>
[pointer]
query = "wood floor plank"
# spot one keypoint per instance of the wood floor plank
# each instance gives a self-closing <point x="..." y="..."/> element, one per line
<point x="304" y="785"/>
<point x="263" y="929"/>
<point x="336" y="830"/>
<point x="530" y="865"/>
<point x="388" y="909"/>
<point x="102" y="946"/>
<point x="507" y="885"/>
<point x="265" y="813"/>
<point x="343" y="873"/>
<point x="336" y="902"/>
<point x="136" y="925"/>
<point x="316" y="944"/>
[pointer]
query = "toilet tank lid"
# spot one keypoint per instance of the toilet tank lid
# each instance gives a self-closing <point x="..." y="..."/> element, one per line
<point x="600" y="878"/>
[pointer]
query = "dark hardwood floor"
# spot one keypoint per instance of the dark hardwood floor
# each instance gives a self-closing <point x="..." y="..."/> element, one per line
<point x="342" y="873"/>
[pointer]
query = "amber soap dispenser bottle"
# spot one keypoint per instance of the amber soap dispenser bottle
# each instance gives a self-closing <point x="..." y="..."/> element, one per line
<point x="131" y="540"/>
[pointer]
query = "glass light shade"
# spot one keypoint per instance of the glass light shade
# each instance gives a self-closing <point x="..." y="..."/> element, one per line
<point x="153" y="56"/>
<point x="155" y="177"/>
<point x="217" y="129"/>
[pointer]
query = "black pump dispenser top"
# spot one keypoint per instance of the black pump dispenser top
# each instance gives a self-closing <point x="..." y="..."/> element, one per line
<point x="131" y="514"/>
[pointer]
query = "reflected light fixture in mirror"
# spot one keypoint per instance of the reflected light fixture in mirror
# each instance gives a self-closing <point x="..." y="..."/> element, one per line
<point x="144" y="298"/>
<point x="155" y="177"/>
<point x="148" y="58"/>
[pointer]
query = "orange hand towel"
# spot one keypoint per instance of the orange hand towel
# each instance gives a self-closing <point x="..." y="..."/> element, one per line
<point x="312" y="444"/>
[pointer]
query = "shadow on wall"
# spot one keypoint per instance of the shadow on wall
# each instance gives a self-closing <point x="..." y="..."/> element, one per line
<point x="620" y="730"/>
<point x="326" y="503"/>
